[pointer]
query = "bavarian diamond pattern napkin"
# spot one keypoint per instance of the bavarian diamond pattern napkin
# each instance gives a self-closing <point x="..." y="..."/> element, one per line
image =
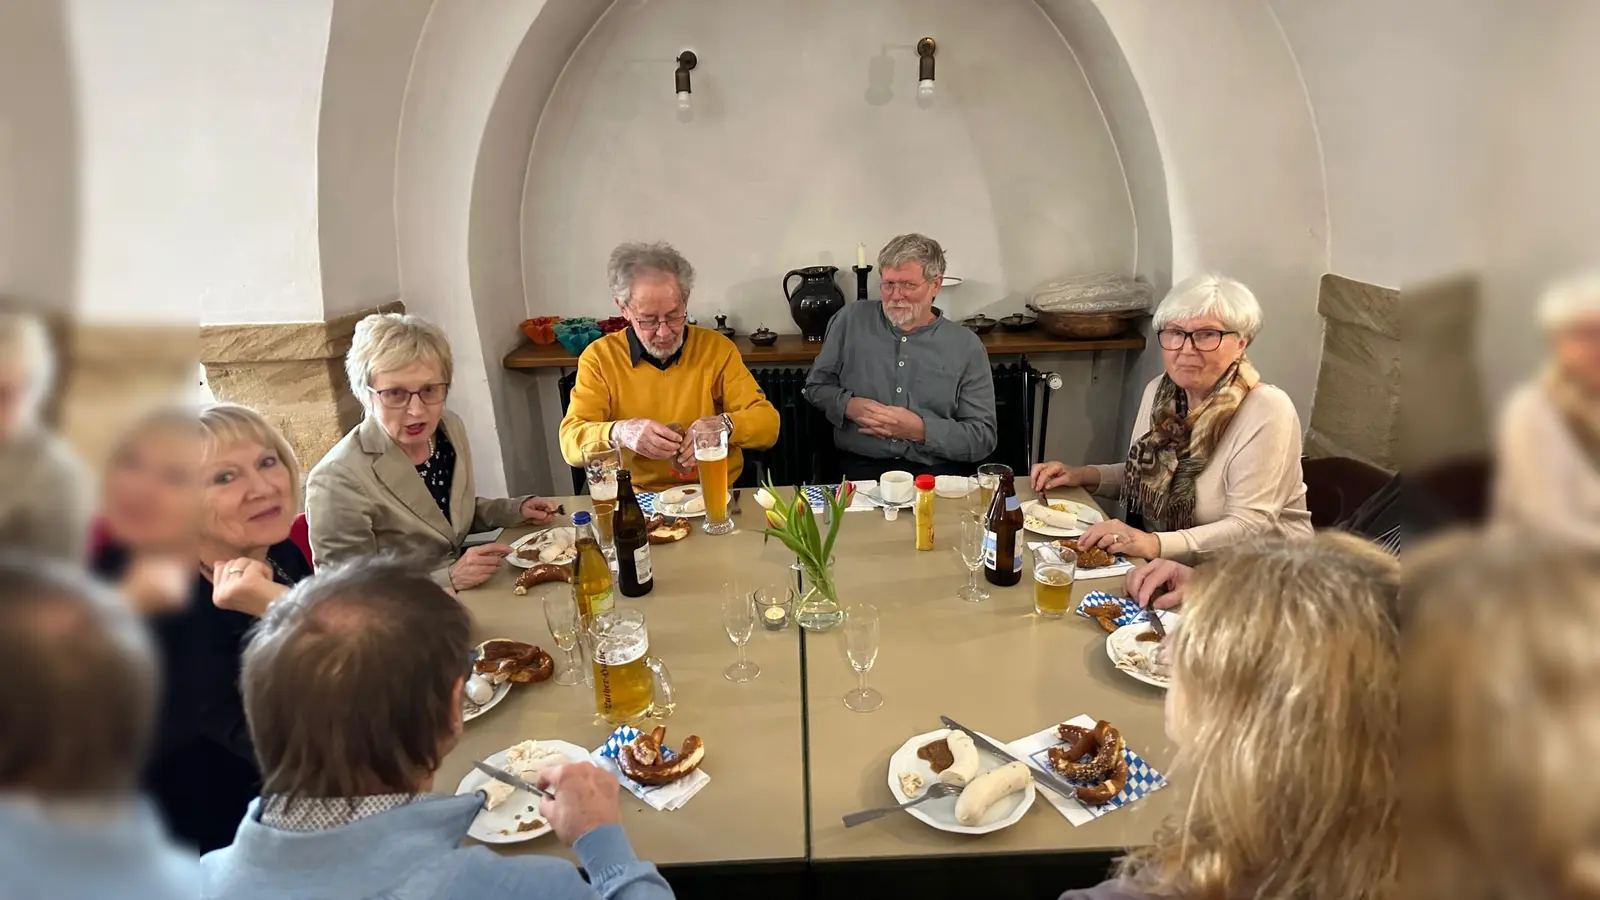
<point x="817" y="495"/>
<point x="647" y="502"/>
<point x="665" y="797"/>
<point x="1142" y="777"/>
<point x="1131" y="611"/>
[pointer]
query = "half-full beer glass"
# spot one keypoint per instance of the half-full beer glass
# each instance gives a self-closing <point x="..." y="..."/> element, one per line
<point x="711" y="457"/>
<point x="629" y="683"/>
<point x="601" y="461"/>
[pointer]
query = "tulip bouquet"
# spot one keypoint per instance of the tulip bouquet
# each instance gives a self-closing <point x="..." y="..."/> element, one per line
<point x="792" y="521"/>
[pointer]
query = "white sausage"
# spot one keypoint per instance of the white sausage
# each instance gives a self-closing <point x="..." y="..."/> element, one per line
<point x="964" y="759"/>
<point x="988" y="789"/>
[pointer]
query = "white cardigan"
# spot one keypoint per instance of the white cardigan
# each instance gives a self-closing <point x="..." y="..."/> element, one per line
<point x="1546" y="486"/>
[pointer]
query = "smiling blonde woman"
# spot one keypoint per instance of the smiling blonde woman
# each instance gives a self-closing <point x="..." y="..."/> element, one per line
<point x="1284" y="709"/>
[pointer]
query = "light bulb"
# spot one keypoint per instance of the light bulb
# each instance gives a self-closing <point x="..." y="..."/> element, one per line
<point x="684" y="102"/>
<point x="925" y="89"/>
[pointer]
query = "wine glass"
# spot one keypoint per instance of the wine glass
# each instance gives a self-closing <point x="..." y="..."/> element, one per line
<point x="738" y="619"/>
<point x="969" y="547"/>
<point x="861" y="646"/>
<point x="561" y="614"/>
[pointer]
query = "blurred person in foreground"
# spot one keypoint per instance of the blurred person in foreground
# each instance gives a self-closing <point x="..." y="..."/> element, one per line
<point x="1215" y="455"/>
<point x="1284" y="712"/>
<point x="402" y="480"/>
<point x="1501" y="699"/>
<point x="203" y="774"/>
<point x="150" y="510"/>
<point x="78" y="690"/>
<point x="45" y="492"/>
<point x="1548" y="481"/>
<point x="349" y="751"/>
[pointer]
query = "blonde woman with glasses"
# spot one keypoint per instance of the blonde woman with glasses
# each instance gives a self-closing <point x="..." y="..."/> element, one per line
<point x="402" y="480"/>
<point x="1284" y="709"/>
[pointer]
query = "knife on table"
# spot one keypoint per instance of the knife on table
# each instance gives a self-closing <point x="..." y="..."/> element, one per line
<point x="1053" y="782"/>
<point x="507" y="778"/>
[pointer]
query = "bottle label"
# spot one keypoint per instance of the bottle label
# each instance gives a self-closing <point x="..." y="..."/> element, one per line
<point x="641" y="564"/>
<point x="1013" y="503"/>
<point x="991" y="554"/>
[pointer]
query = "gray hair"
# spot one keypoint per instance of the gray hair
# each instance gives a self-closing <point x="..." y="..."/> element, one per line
<point x="23" y="338"/>
<point x="1210" y="294"/>
<point x="918" y="248"/>
<point x="628" y="260"/>
<point x="389" y="342"/>
<point x="1569" y="300"/>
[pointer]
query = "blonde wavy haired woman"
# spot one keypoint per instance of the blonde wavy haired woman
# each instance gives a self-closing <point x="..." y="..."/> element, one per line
<point x="1501" y="700"/>
<point x="1284" y="708"/>
<point x="46" y="493"/>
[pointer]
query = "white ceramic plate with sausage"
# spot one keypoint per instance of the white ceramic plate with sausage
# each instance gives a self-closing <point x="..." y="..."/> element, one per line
<point x="519" y="811"/>
<point x="1127" y="651"/>
<point x="538" y="541"/>
<point x="941" y="813"/>
<point x="1087" y="515"/>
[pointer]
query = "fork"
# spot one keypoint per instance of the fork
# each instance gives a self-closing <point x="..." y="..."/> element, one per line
<point x="934" y="792"/>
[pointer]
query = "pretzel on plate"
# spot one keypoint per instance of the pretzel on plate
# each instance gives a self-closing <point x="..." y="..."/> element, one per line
<point x="1106" y="772"/>
<point x="641" y="759"/>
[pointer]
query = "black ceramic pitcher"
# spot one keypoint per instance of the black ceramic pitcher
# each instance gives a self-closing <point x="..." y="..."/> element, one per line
<point x="815" y="300"/>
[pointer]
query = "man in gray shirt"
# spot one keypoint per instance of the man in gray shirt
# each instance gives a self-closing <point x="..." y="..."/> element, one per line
<point x="904" y="387"/>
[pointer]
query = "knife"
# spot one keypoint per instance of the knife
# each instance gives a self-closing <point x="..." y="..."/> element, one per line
<point x="1154" y="615"/>
<point x="507" y="778"/>
<point x="1053" y="782"/>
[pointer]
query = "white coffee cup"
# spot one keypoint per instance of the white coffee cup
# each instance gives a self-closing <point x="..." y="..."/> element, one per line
<point x="897" y="487"/>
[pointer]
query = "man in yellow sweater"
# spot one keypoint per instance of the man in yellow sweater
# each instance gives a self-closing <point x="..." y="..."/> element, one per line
<point x="634" y="385"/>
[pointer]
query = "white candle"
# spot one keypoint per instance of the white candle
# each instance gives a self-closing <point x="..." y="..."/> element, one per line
<point x="773" y="614"/>
<point x="861" y="256"/>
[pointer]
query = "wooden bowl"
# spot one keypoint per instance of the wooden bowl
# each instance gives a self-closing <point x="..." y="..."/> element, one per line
<point x="1083" y="327"/>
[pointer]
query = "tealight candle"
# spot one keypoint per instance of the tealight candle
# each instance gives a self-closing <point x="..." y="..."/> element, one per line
<point x="774" y="615"/>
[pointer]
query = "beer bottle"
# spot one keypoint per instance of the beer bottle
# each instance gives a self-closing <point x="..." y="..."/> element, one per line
<point x="631" y="532"/>
<point x="591" y="574"/>
<point x="1002" y="557"/>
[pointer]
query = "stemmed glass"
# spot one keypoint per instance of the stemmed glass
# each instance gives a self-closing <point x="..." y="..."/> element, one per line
<point x="861" y="646"/>
<point x="561" y="614"/>
<point x="738" y="619"/>
<point x="970" y="548"/>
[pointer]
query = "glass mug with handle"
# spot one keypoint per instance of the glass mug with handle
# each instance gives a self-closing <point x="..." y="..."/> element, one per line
<point x="629" y="684"/>
<point x="710" y="438"/>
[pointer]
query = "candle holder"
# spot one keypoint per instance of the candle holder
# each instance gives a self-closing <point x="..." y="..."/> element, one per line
<point x="861" y="280"/>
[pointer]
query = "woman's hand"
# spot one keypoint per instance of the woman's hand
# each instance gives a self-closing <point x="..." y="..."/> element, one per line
<point x="477" y="565"/>
<point x="1049" y="475"/>
<point x="244" y="585"/>
<point x="538" y="510"/>
<point x="1144" y="581"/>
<point x="1115" y="536"/>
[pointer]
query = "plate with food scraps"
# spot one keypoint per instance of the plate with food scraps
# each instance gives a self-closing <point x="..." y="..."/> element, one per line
<point x="558" y="545"/>
<point x="1132" y="649"/>
<point x="1004" y="798"/>
<point x="1052" y="520"/>
<point x="477" y="685"/>
<point x="509" y="814"/>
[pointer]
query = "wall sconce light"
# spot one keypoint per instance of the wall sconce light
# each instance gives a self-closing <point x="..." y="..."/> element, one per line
<point x="925" y="50"/>
<point x="680" y="79"/>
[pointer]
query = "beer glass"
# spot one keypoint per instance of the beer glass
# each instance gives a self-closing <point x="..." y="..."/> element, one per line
<point x="601" y="461"/>
<point x="710" y="438"/>
<point x="988" y="481"/>
<point x="629" y="684"/>
<point x="1053" y="573"/>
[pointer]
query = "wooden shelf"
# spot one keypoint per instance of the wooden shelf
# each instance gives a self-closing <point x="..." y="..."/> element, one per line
<point x="792" y="348"/>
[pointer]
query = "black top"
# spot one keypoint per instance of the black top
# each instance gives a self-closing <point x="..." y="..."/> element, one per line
<point x="438" y="471"/>
<point x="636" y="351"/>
<point x="202" y="772"/>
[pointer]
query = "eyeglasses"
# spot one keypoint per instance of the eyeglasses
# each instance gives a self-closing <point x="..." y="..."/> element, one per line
<point x="901" y="287"/>
<point x="672" y="321"/>
<point x="1204" y="340"/>
<point x="400" y="398"/>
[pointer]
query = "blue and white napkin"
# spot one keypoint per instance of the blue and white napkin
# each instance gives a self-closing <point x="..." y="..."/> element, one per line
<point x="647" y="502"/>
<point x="1131" y="611"/>
<point x="1142" y="777"/>
<point x="1120" y="567"/>
<point x="665" y="797"/>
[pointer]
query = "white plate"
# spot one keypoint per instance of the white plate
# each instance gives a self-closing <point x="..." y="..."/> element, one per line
<point x="1119" y="642"/>
<point x="876" y="499"/>
<point x="954" y="487"/>
<point x="1085" y="512"/>
<point x="941" y="813"/>
<point x="534" y="537"/>
<point x="668" y="501"/>
<point x="490" y="822"/>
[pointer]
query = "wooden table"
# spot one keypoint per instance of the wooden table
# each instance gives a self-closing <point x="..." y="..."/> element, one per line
<point x="793" y="348"/>
<point x="786" y="758"/>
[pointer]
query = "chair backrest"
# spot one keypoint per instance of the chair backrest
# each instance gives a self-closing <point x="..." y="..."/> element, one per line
<point x="300" y="533"/>
<point x="1336" y="485"/>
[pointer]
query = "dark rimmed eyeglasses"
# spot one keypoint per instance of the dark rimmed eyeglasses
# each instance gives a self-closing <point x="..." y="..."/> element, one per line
<point x="1204" y="340"/>
<point x="400" y="398"/>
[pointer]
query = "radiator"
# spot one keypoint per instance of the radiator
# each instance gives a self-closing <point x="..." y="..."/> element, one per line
<point x="805" y="452"/>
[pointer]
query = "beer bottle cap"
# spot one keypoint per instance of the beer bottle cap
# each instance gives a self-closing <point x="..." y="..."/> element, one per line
<point x="925" y="482"/>
<point x="580" y="517"/>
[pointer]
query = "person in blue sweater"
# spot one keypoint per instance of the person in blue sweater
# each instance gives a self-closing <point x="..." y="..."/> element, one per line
<point x="352" y="685"/>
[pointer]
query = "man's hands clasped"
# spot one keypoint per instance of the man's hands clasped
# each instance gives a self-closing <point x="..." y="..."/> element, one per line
<point x="883" y="421"/>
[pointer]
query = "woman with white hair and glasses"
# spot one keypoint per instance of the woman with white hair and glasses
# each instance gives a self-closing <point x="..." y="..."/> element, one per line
<point x="1548" y="479"/>
<point x="45" y="493"/>
<point x="402" y="480"/>
<point x="1215" y="456"/>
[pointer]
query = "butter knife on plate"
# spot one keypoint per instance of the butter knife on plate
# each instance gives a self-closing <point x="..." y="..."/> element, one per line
<point x="1053" y="782"/>
<point x="505" y="777"/>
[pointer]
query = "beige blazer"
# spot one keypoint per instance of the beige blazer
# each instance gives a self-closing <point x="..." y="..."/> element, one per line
<point x="365" y="497"/>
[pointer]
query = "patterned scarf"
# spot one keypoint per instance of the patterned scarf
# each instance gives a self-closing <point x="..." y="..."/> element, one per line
<point x="1579" y="408"/>
<point x="1163" y="465"/>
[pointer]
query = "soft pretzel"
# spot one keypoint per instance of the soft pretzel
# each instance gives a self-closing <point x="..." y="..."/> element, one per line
<point x="663" y="530"/>
<point x="1105" y="774"/>
<point x="540" y="574"/>
<point x="641" y="758"/>
<point x="1092" y="558"/>
<point x="503" y="659"/>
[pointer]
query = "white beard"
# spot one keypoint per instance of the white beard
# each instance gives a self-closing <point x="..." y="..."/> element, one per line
<point x="664" y="354"/>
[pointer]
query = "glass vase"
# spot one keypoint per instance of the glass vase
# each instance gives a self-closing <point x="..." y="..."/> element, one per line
<point x="818" y="609"/>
